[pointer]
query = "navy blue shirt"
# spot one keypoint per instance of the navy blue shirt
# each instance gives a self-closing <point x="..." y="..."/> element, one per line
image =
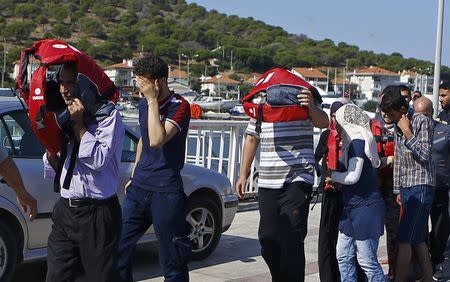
<point x="363" y="215"/>
<point x="159" y="168"/>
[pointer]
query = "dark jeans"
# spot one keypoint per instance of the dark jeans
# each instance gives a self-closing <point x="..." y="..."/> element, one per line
<point x="167" y="212"/>
<point x="331" y="210"/>
<point x="283" y="228"/>
<point x="88" y="235"/>
<point x="439" y="226"/>
<point x="391" y="222"/>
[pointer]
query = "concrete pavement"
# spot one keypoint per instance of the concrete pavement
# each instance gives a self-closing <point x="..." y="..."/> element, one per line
<point x="236" y="259"/>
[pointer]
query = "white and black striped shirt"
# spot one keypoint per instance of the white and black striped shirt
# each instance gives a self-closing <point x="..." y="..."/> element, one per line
<point x="286" y="153"/>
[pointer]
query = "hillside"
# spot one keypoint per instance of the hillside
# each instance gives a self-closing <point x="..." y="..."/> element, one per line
<point x="110" y="30"/>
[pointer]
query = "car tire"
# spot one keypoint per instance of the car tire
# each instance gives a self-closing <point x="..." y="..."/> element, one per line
<point x="8" y="252"/>
<point x="205" y="226"/>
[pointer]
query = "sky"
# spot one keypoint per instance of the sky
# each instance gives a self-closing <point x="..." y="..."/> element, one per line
<point x="383" y="26"/>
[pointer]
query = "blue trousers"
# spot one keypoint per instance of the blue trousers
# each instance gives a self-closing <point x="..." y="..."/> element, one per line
<point x="167" y="212"/>
<point x="365" y="251"/>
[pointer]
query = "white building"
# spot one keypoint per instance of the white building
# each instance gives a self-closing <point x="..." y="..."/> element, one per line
<point x="372" y="80"/>
<point x="221" y="85"/>
<point x="417" y="81"/>
<point x="122" y="75"/>
<point x="313" y="76"/>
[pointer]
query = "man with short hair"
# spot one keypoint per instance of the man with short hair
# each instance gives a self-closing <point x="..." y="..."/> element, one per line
<point x="87" y="218"/>
<point x="416" y="95"/>
<point x="284" y="186"/>
<point x="156" y="195"/>
<point x="444" y="100"/>
<point x="383" y="130"/>
<point x="413" y="180"/>
<point x="440" y="229"/>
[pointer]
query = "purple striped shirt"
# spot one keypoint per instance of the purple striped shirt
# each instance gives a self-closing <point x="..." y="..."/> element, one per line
<point x="96" y="172"/>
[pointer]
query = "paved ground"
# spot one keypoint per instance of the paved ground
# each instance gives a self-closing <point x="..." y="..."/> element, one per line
<point x="236" y="259"/>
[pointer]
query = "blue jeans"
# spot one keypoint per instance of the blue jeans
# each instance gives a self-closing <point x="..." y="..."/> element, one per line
<point x="417" y="202"/>
<point x="365" y="251"/>
<point x="167" y="212"/>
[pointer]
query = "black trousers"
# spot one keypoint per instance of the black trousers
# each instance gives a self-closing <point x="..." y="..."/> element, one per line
<point x="330" y="214"/>
<point x="282" y="230"/>
<point x="440" y="229"/>
<point x="391" y="222"/>
<point x="87" y="235"/>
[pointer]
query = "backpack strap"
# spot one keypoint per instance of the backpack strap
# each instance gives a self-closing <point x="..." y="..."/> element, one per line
<point x="61" y="160"/>
<point x="259" y="118"/>
<point x="73" y="159"/>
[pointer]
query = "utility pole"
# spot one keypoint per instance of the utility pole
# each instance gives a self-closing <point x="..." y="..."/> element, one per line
<point x="437" y="58"/>
<point x="179" y="65"/>
<point x="4" y="61"/>
<point x="231" y="60"/>
<point x="328" y="78"/>
<point x="335" y="81"/>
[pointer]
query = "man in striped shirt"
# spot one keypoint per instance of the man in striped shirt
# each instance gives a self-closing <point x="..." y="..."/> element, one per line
<point x="284" y="186"/>
<point x="413" y="180"/>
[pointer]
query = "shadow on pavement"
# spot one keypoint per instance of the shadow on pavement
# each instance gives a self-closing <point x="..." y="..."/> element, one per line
<point x="230" y="248"/>
<point x="145" y="266"/>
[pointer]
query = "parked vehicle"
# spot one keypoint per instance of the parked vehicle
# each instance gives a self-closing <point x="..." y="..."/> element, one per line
<point x="214" y="103"/>
<point x="211" y="202"/>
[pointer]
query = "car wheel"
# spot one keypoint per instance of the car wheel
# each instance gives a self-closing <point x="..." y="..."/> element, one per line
<point x="205" y="226"/>
<point x="8" y="252"/>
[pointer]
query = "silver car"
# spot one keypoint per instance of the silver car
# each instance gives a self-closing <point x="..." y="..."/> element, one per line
<point x="211" y="202"/>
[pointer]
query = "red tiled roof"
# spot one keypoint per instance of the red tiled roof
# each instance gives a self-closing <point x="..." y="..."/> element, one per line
<point x="120" y="66"/>
<point x="223" y="79"/>
<point x="177" y="73"/>
<point x="310" y="72"/>
<point x="375" y="70"/>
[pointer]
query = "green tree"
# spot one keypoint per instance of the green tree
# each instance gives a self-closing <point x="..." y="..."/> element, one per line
<point x="18" y="30"/>
<point x="91" y="26"/>
<point x="60" y="12"/>
<point x="106" y="12"/>
<point x="61" y="30"/>
<point x="42" y="20"/>
<point x="370" y="106"/>
<point x="86" y="5"/>
<point x="26" y="10"/>
<point x="84" y="44"/>
<point x="129" y="18"/>
<point x="6" y="4"/>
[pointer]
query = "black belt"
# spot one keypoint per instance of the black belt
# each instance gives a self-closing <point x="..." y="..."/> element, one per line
<point x="82" y="202"/>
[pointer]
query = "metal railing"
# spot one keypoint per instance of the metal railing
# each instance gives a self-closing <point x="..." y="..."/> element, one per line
<point x="218" y="144"/>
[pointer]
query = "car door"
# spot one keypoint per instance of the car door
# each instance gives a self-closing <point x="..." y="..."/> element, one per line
<point x="127" y="164"/>
<point x="27" y="152"/>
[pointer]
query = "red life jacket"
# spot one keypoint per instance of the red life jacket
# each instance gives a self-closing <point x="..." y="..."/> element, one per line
<point x="385" y="146"/>
<point x="333" y="153"/>
<point x="36" y="93"/>
<point x="268" y="113"/>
